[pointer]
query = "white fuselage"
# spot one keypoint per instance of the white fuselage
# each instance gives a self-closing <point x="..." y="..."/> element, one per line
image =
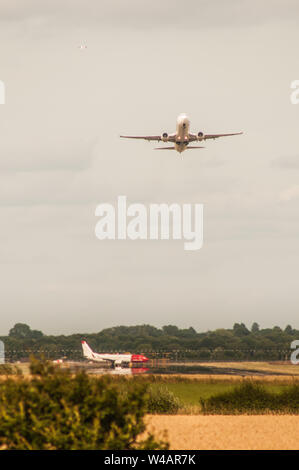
<point x="116" y="358"/>
<point x="182" y="133"/>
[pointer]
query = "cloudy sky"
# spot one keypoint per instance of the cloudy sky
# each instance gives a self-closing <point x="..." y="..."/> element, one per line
<point x="229" y="66"/>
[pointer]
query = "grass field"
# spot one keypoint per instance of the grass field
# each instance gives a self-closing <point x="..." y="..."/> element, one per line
<point x="191" y="389"/>
<point x="190" y="392"/>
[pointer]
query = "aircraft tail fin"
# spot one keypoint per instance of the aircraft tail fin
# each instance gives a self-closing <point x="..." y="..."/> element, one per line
<point x="87" y="351"/>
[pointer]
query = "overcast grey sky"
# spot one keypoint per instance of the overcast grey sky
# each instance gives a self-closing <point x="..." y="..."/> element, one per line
<point x="229" y="66"/>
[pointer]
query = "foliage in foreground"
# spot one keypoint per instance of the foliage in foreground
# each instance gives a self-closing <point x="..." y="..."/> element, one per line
<point x="8" y="369"/>
<point x="252" y="397"/>
<point x="56" y="410"/>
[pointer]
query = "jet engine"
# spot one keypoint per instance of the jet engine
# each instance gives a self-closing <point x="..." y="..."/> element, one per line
<point x="164" y="137"/>
<point x="200" y="136"/>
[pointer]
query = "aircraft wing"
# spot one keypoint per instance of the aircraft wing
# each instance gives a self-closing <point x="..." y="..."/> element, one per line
<point x="215" y="136"/>
<point x="145" y="137"/>
<point x="106" y="359"/>
<point x="193" y="137"/>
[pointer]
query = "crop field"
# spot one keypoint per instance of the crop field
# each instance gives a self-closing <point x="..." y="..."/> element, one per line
<point x="263" y="432"/>
<point x="243" y="414"/>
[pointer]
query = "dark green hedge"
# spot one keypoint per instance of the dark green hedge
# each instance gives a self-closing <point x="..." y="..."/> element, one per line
<point x="251" y="397"/>
<point x="57" y="410"/>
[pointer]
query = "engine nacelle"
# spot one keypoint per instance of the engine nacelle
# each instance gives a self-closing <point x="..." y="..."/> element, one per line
<point x="200" y="136"/>
<point x="164" y="137"/>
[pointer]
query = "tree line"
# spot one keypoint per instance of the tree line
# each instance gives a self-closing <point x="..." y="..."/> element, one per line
<point x="170" y="341"/>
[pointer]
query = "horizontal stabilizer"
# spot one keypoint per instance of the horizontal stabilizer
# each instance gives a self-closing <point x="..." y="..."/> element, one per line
<point x="198" y="147"/>
<point x="164" y="148"/>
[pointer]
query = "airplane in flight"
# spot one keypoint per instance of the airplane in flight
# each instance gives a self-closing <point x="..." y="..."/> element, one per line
<point x="116" y="360"/>
<point x="181" y="138"/>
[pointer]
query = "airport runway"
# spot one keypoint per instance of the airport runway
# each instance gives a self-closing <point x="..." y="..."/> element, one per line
<point x="187" y="369"/>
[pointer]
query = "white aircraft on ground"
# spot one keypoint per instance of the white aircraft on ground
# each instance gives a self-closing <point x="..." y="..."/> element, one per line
<point x="114" y="359"/>
<point x="181" y="138"/>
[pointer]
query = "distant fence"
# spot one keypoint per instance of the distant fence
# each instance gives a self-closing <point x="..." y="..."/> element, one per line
<point x="2" y="352"/>
<point x="180" y="355"/>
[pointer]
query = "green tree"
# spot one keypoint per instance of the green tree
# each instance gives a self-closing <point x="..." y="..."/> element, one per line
<point x="255" y="328"/>
<point x="20" y="330"/>
<point x="288" y="330"/>
<point x="170" y="330"/>
<point x="23" y="331"/>
<point x="240" y="329"/>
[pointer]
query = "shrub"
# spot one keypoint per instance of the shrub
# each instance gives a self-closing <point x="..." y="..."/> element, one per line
<point x="8" y="369"/>
<point x="162" y="400"/>
<point x="289" y="399"/>
<point x="251" y="397"/>
<point x="57" y="410"/>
